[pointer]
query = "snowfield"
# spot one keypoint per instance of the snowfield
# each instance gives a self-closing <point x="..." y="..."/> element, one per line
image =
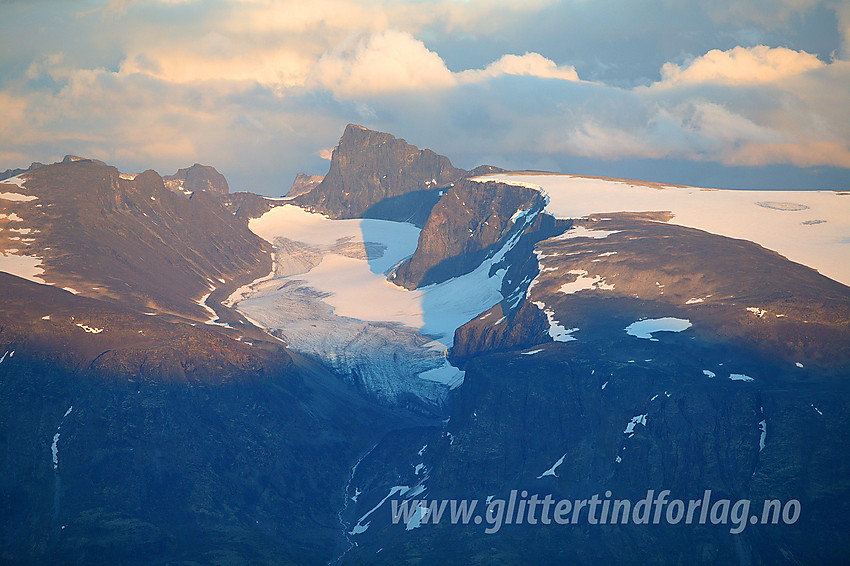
<point x="17" y="181"/>
<point x="26" y="266"/>
<point x="808" y="227"/>
<point x="647" y="327"/>
<point x="17" y="197"/>
<point x="584" y="283"/>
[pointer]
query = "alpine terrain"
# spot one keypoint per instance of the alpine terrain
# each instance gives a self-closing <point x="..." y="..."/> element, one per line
<point x="190" y="375"/>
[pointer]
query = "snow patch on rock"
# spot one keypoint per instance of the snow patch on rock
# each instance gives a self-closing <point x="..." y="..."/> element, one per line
<point x="647" y="327"/>
<point x="555" y="466"/>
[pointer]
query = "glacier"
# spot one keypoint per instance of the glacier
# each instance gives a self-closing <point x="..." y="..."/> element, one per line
<point x="329" y="297"/>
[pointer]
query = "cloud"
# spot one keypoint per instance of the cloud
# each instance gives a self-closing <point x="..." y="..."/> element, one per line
<point x="12" y="114"/>
<point x="326" y="153"/>
<point x="592" y="138"/>
<point x="702" y="130"/>
<point x="740" y="66"/>
<point x="288" y="16"/>
<point x="802" y="153"/>
<point x="274" y="68"/>
<point x="714" y="121"/>
<point x="393" y="61"/>
<point x="843" y="15"/>
<point x="384" y="62"/>
<point x="453" y="16"/>
<point x="530" y="64"/>
<point x="260" y="87"/>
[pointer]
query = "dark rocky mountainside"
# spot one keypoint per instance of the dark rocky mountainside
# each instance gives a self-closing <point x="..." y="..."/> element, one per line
<point x="375" y="175"/>
<point x="131" y="432"/>
<point x="245" y="206"/>
<point x="108" y="340"/>
<point x="470" y="220"/>
<point x="8" y="173"/>
<point x="15" y="172"/>
<point x="516" y="416"/>
<point x="130" y="240"/>
<point x="735" y="404"/>
<point x="649" y="268"/>
<point x="136" y="440"/>
<point x="198" y="178"/>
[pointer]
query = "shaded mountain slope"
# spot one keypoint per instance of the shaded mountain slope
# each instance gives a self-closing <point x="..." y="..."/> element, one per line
<point x="469" y="221"/>
<point x="126" y="438"/>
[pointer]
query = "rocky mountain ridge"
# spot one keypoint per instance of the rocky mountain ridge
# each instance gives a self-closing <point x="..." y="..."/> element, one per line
<point x="127" y="238"/>
<point x="304" y="183"/>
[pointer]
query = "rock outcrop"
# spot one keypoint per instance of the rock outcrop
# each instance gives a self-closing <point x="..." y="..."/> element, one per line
<point x="8" y="173"/>
<point x="198" y="178"/>
<point x="470" y="220"/>
<point x="304" y="183"/>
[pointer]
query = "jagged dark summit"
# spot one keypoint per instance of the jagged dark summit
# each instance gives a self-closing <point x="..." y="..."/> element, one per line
<point x="376" y="175"/>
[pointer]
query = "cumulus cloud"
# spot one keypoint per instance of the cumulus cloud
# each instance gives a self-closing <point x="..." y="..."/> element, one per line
<point x="393" y="61"/>
<point x="384" y="62"/>
<point x="740" y="66"/>
<point x="530" y="64"/>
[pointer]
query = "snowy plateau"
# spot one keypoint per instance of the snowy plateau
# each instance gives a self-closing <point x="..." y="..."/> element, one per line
<point x="807" y="227"/>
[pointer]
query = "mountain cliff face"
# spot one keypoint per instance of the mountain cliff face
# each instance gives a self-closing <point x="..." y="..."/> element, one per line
<point x="375" y="175"/>
<point x="470" y="220"/>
